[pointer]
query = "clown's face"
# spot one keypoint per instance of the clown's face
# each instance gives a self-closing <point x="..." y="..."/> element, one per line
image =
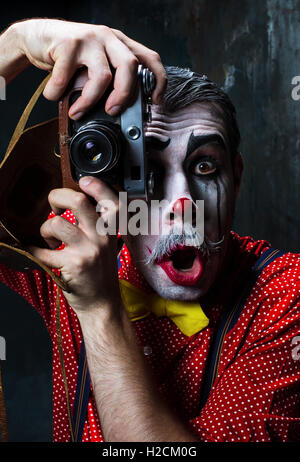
<point x="189" y="155"/>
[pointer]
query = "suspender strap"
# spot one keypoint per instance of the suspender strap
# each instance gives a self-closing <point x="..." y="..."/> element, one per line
<point x="3" y="418"/>
<point x="228" y="321"/>
<point x="82" y="395"/>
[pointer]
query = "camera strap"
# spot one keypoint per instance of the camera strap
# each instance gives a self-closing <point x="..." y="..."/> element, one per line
<point x="25" y="116"/>
<point x="28" y="148"/>
<point x="24" y="144"/>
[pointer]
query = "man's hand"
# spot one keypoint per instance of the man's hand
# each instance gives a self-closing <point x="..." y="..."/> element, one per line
<point x="88" y="261"/>
<point x="122" y="382"/>
<point x="63" y="47"/>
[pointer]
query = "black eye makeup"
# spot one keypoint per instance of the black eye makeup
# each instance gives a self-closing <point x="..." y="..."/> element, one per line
<point x="203" y="153"/>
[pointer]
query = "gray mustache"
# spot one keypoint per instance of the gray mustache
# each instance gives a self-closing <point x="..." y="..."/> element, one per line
<point x="187" y="236"/>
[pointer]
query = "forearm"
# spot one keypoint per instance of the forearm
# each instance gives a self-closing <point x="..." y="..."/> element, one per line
<point x="12" y="58"/>
<point x="128" y="404"/>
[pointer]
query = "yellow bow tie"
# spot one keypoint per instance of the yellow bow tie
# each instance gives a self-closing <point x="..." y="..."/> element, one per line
<point x="188" y="316"/>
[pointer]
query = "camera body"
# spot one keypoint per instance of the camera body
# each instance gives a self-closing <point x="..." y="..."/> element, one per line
<point x="110" y="148"/>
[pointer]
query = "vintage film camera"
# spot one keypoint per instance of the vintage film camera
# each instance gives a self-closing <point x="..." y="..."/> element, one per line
<point x="109" y="148"/>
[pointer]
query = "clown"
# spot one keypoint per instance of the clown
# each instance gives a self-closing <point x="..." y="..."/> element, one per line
<point x="186" y="340"/>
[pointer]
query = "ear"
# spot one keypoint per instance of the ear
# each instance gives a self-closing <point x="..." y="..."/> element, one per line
<point x="238" y="167"/>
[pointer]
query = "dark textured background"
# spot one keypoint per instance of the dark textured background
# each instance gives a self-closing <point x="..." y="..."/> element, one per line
<point x="251" y="47"/>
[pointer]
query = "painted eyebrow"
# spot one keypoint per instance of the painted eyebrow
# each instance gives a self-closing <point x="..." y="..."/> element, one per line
<point x="155" y="143"/>
<point x="200" y="140"/>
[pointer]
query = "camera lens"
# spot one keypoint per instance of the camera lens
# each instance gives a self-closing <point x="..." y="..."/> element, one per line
<point x="91" y="151"/>
<point x="96" y="147"/>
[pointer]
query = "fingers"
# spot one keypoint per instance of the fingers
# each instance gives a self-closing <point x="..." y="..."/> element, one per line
<point x="51" y="258"/>
<point x="107" y="205"/>
<point x="58" y="229"/>
<point x="85" y="212"/>
<point x="99" y="191"/>
<point x="99" y="78"/>
<point x="62" y="72"/>
<point x="150" y="59"/>
<point x="82" y="208"/>
<point x="125" y="64"/>
<point x="69" y="46"/>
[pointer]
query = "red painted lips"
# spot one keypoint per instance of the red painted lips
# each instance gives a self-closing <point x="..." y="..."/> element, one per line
<point x="184" y="265"/>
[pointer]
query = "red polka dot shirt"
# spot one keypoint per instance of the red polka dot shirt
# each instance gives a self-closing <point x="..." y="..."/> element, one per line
<point x="255" y="396"/>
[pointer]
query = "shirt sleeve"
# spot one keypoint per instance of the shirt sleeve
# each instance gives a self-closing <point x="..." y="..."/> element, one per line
<point x="256" y="396"/>
<point x="35" y="286"/>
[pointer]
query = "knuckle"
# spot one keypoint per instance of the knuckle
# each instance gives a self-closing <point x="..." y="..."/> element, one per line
<point x="77" y="263"/>
<point x="154" y="56"/>
<point x="133" y="61"/>
<point x="106" y="76"/>
<point x="163" y="80"/>
<point x="118" y="32"/>
<point x="56" y="222"/>
<point x="94" y="253"/>
<point x="164" y="77"/>
<point x="52" y="195"/>
<point x="44" y="227"/>
<point x="59" y="80"/>
<point x="79" y="200"/>
<point x="89" y="34"/>
<point x="71" y="44"/>
<point x="102" y="29"/>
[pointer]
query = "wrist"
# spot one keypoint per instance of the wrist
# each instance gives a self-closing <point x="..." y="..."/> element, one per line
<point x="103" y="310"/>
<point x="109" y="322"/>
<point x="14" y="59"/>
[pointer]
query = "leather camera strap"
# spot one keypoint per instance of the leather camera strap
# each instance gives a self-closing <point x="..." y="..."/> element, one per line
<point x="60" y="283"/>
<point x="25" y="116"/>
<point x="14" y="139"/>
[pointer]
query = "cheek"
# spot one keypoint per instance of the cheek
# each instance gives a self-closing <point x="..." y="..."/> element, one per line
<point x="138" y="246"/>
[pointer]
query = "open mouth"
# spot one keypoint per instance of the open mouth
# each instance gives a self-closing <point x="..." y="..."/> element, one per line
<point x="183" y="265"/>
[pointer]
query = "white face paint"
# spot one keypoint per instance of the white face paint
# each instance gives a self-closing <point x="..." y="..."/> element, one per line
<point x="190" y="158"/>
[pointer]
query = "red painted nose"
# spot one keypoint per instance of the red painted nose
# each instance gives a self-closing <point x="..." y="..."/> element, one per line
<point x="182" y="205"/>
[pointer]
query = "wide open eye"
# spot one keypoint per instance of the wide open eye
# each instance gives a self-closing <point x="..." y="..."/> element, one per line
<point x="204" y="167"/>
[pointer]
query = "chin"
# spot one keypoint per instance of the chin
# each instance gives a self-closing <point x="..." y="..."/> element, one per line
<point x="180" y="293"/>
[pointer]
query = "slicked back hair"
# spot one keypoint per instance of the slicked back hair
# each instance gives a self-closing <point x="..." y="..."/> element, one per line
<point x="186" y="87"/>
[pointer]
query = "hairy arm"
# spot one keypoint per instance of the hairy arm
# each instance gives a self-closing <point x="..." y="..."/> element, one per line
<point x="127" y="401"/>
<point x="129" y="405"/>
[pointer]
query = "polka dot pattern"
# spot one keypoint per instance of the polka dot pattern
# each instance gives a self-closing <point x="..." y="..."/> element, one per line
<point x="256" y="394"/>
